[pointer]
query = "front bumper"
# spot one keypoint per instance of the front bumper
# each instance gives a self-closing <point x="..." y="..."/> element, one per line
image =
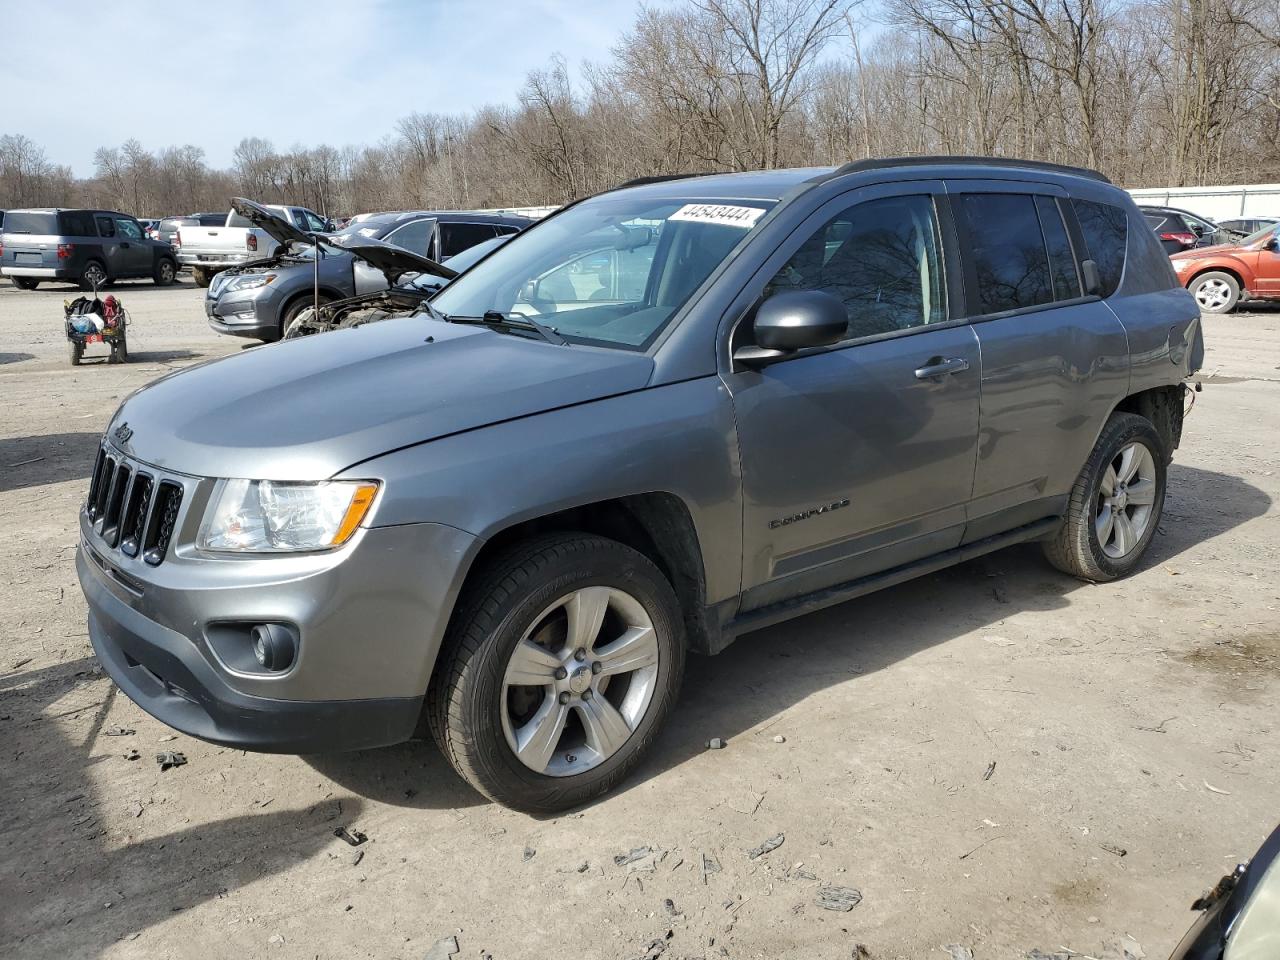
<point x="257" y="319"/>
<point x="370" y="618"/>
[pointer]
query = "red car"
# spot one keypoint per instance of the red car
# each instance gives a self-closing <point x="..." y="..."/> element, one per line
<point x="1221" y="276"/>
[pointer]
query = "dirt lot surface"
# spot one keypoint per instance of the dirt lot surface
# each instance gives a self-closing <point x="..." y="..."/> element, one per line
<point x="997" y="757"/>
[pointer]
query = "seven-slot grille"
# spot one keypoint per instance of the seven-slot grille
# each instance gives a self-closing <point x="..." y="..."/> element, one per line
<point x="132" y="509"/>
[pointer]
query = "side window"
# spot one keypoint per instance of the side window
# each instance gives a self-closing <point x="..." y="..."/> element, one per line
<point x="611" y="274"/>
<point x="312" y="222"/>
<point x="1062" y="262"/>
<point x="77" y="225"/>
<point x="128" y="229"/>
<point x="1002" y="238"/>
<point x="456" y="237"/>
<point x="1103" y="226"/>
<point x="882" y="259"/>
<point x="106" y="226"/>
<point x="503" y="230"/>
<point x="414" y="237"/>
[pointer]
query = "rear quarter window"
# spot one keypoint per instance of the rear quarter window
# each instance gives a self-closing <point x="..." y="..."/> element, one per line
<point x="78" y="223"/>
<point x="42" y="224"/>
<point x="1148" y="269"/>
<point x="1105" y="228"/>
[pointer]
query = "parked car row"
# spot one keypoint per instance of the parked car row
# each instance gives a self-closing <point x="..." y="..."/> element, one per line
<point x="261" y="299"/>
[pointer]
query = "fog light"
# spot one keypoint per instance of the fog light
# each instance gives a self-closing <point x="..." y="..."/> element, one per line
<point x="274" y="646"/>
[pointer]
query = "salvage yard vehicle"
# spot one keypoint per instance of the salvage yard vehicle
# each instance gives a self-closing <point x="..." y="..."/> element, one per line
<point x="398" y="300"/>
<point x="508" y="519"/>
<point x="208" y="250"/>
<point x="91" y="248"/>
<point x="263" y="298"/>
<point x="1240" y="915"/>
<point x="1220" y="277"/>
<point x="1180" y="229"/>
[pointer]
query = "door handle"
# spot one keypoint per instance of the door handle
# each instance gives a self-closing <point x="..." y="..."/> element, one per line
<point x="941" y="367"/>
<point x="125" y="245"/>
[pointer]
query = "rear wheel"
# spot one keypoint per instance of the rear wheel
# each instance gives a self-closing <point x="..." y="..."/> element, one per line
<point x="1215" y="291"/>
<point x="93" y="276"/>
<point x="26" y="283"/>
<point x="166" y="271"/>
<point x="1116" y="503"/>
<point x="76" y="351"/>
<point x="200" y="276"/>
<point x="119" y="351"/>
<point x="563" y="659"/>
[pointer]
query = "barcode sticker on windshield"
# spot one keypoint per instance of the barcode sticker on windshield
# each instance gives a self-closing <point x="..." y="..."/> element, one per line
<point x="724" y="214"/>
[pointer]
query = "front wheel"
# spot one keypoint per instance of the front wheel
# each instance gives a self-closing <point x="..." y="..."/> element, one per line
<point x="1115" y="505"/>
<point x="200" y="276"/>
<point x="76" y="350"/>
<point x="562" y="662"/>
<point x="1216" y="292"/>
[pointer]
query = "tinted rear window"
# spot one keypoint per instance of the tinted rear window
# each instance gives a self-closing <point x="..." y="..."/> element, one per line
<point x="78" y="223"/>
<point x="1007" y="249"/>
<point x="1103" y="226"/>
<point x="17" y="221"/>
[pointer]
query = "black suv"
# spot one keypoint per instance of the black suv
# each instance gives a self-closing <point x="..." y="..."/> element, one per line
<point x="88" y="247"/>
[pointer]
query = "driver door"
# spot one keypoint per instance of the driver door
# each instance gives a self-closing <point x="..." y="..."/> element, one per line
<point x="860" y="456"/>
<point x="135" y="252"/>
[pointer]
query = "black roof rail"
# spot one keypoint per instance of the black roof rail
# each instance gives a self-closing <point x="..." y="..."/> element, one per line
<point x="643" y="181"/>
<point x="876" y="163"/>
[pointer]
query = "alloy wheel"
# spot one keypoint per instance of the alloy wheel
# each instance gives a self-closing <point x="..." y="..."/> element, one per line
<point x="1126" y="498"/>
<point x="579" y="681"/>
<point x="1213" y="294"/>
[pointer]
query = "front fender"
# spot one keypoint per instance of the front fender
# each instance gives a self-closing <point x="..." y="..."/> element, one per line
<point x="677" y="438"/>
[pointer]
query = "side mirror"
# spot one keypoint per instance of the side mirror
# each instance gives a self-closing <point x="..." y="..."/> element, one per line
<point x="793" y="321"/>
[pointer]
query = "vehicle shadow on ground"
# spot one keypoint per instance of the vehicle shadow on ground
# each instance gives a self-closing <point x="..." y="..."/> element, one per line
<point x="161" y="356"/>
<point x="47" y="458"/>
<point x="15" y="357"/>
<point x="61" y="865"/>
<point x="765" y="673"/>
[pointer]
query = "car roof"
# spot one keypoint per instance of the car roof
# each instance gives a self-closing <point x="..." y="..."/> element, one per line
<point x="471" y="216"/>
<point x="776" y="184"/>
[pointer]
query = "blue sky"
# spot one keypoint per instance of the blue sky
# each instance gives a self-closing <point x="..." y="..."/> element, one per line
<point x="335" y="71"/>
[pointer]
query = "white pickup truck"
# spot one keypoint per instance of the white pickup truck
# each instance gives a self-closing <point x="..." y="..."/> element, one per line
<point x="206" y="250"/>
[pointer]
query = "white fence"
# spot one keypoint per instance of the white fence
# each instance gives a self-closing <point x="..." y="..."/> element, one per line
<point x="1216" y="203"/>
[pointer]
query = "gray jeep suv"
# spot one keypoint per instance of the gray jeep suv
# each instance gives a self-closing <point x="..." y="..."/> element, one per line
<point x="662" y="417"/>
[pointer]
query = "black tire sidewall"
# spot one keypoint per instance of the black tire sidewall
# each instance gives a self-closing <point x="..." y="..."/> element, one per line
<point x="85" y="283"/>
<point x="611" y="565"/>
<point x="173" y="272"/>
<point x="1140" y="430"/>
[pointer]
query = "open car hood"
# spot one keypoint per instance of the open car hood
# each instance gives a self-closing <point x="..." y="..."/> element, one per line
<point x="275" y="226"/>
<point x="393" y="261"/>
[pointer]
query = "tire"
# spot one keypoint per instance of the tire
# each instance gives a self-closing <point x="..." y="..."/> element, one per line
<point x="76" y="351"/>
<point x="93" y="269"/>
<point x="1088" y="547"/>
<point x="472" y="705"/>
<point x="200" y="276"/>
<point x="1215" y="291"/>
<point x="292" y="313"/>
<point x="119" y="352"/>
<point x="166" y="272"/>
<point x="26" y="283"/>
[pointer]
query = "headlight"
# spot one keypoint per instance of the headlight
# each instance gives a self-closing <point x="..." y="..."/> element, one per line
<point x="264" y="516"/>
<point x="248" y="281"/>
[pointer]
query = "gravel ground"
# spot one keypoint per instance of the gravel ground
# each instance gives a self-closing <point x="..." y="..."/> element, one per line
<point x="996" y="756"/>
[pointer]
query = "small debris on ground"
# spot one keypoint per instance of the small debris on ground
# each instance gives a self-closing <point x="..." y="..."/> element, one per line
<point x="357" y="857"/>
<point x="1112" y="848"/>
<point x="773" y="843"/>
<point x="119" y="732"/>
<point x="584" y="866"/>
<point x="169" y="759"/>
<point x="135" y="808"/>
<point x="442" y="949"/>
<point x="715" y="743"/>
<point x="669" y="905"/>
<point x="529" y="854"/>
<point x="958" y="951"/>
<point x="861" y="952"/>
<point x="1212" y="789"/>
<point x="841" y="899"/>
<point x="353" y="837"/>
<point x="21" y="663"/>
<point x="991" y="768"/>
<point x="275" y="938"/>
<point x="709" y="865"/>
<point x="1133" y="949"/>
<point x="132" y="754"/>
<point x="779" y="739"/>
<point x="168" y="738"/>
<point x="631" y="856"/>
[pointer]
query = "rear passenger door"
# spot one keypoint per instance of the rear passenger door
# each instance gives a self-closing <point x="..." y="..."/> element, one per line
<point x="135" y="253"/>
<point x="1054" y="360"/>
<point x="858" y="457"/>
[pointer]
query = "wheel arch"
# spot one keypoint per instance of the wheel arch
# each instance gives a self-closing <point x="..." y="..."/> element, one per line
<point x="656" y="524"/>
<point x="1232" y="270"/>
<point x="325" y="291"/>
<point x="1163" y="407"/>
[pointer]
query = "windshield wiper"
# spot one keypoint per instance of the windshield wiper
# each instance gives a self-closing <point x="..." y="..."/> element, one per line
<point x="495" y="318"/>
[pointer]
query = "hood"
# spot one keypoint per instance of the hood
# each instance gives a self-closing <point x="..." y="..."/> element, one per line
<point x="275" y="226"/>
<point x="306" y="409"/>
<point x="390" y="259"/>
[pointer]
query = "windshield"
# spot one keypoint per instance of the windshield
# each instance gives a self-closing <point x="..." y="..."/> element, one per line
<point x="613" y="270"/>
